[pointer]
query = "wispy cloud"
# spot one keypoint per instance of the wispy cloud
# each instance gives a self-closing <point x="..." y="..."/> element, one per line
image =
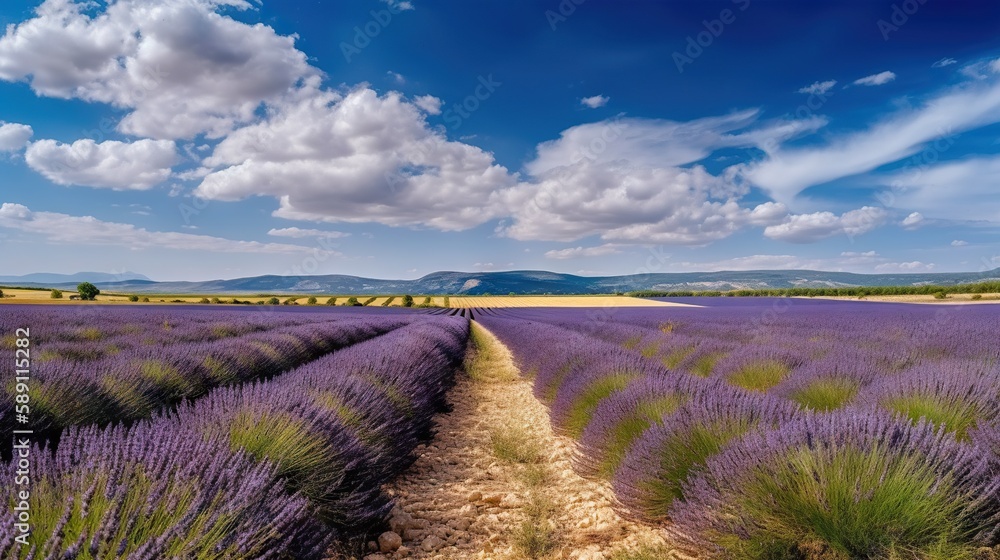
<point x="299" y="233"/>
<point x="64" y="229"/>
<point x="818" y="88"/>
<point x="947" y="61"/>
<point x="876" y="79"/>
<point x="583" y="252"/>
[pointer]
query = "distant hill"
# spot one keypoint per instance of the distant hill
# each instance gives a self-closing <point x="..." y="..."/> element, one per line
<point x="518" y="282"/>
<point x="94" y="277"/>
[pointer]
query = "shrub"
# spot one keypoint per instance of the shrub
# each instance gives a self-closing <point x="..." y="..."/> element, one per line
<point x="55" y="294"/>
<point x="940" y="295"/>
<point x="133" y="298"/>
<point x="145" y="300"/>
<point x="855" y="486"/>
<point x="312" y="300"/>
<point x="289" y="301"/>
<point x="353" y="301"/>
<point x="331" y="301"/>
<point x="203" y="300"/>
<point x="1" y="294"/>
<point x="369" y="301"/>
<point x="88" y="291"/>
<point x="447" y="302"/>
<point x="407" y="301"/>
<point x="977" y="296"/>
<point x="273" y="301"/>
<point x="216" y="300"/>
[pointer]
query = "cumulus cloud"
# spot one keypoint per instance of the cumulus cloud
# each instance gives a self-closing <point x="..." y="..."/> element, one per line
<point x="138" y="165"/>
<point x="595" y="101"/>
<point x="430" y="104"/>
<point x="626" y="204"/>
<point x="785" y="173"/>
<point x="808" y="228"/>
<point x="181" y="68"/>
<point x="818" y="88"/>
<point x="300" y="233"/>
<point x="913" y="220"/>
<point x="959" y="243"/>
<point x="583" y="252"/>
<point x="876" y="79"/>
<point x="946" y="61"/>
<point x="14" y="136"/>
<point x="401" y="5"/>
<point x="87" y="230"/>
<point x="356" y="157"/>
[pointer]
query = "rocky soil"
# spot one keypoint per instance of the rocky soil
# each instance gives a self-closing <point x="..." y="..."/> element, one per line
<point x="497" y="483"/>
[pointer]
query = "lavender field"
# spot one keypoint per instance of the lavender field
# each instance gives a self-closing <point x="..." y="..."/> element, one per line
<point x="781" y="428"/>
<point x="744" y="428"/>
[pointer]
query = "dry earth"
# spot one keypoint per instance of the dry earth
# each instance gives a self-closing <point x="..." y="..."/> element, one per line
<point x="497" y="483"/>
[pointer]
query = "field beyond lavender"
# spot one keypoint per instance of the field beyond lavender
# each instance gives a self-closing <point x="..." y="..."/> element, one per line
<point x="742" y="428"/>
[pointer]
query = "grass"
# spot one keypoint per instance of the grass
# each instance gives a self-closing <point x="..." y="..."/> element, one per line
<point x="515" y="445"/>
<point x="759" y="375"/>
<point x="644" y="552"/>
<point x="631" y="427"/>
<point x="488" y="362"/>
<point x="857" y="503"/>
<point x="536" y="536"/>
<point x="582" y="409"/>
<point x="826" y="394"/>
<point x="673" y="359"/>
<point x="955" y="416"/>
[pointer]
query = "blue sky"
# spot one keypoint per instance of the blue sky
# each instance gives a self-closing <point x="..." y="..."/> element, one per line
<point x="198" y="139"/>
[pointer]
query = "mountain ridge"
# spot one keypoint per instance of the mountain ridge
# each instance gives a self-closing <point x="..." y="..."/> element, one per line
<point x="505" y="282"/>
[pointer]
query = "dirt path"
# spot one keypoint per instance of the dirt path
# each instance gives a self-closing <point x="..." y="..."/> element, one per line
<point x="497" y="483"/>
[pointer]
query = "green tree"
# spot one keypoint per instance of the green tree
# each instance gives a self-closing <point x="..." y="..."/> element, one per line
<point x="407" y="300"/>
<point x="331" y="301"/>
<point x="134" y="298"/>
<point x="312" y="300"/>
<point x="353" y="301"/>
<point x="88" y="291"/>
<point x="56" y="294"/>
<point x="1" y="293"/>
<point x="273" y="301"/>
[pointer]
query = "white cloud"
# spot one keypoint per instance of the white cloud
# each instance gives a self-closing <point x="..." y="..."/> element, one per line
<point x="14" y="136"/>
<point x="785" y="173"/>
<point x="808" y="228"/>
<point x="396" y="77"/>
<point x="865" y="255"/>
<point x="959" y="243"/>
<point x="595" y="101"/>
<point x="356" y="157"/>
<point x="180" y="67"/>
<point x="138" y="165"/>
<point x="818" y="88"/>
<point x="430" y="104"/>
<point x="912" y="266"/>
<point x="583" y="252"/>
<point x="957" y="190"/>
<point x="663" y="143"/>
<point x="626" y="204"/>
<point x="876" y="79"/>
<point x="913" y="220"/>
<point x="64" y="229"/>
<point x="947" y="61"/>
<point x="299" y="233"/>
<point x="401" y="5"/>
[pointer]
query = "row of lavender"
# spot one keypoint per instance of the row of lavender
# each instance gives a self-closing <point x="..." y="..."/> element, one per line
<point x="131" y="363"/>
<point x="782" y="429"/>
<point x="275" y="469"/>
